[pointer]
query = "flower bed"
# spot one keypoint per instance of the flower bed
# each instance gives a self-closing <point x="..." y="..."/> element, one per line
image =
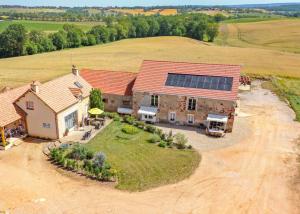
<point x="78" y="159"/>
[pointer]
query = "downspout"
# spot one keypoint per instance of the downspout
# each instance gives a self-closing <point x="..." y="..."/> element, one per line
<point x="2" y="136"/>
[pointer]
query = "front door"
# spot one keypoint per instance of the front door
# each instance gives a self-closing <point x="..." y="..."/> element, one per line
<point x="172" y="117"/>
<point x="71" y="120"/>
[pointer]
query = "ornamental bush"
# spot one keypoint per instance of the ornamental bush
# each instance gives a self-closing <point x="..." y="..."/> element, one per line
<point x="129" y="119"/>
<point x="162" y="144"/>
<point x="129" y="129"/>
<point x="79" y="152"/>
<point x="180" y="140"/>
<point x="150" y="128"/>
<point x="99" y="159"/>
<point x="154" y="139"/>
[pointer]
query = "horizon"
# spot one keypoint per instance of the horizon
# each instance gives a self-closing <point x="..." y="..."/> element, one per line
<point x="138" y="3"/>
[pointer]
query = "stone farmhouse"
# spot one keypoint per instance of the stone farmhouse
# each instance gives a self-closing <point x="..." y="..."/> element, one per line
<point x="174" y="92"/>
<point x="182" y="93"/>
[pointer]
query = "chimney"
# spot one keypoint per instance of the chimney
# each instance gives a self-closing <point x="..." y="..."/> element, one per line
<point x="35" y="87"/>
<point x="75" y="71"/>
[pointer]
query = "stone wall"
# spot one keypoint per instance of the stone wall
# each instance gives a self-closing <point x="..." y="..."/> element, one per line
<point x="178" y="104"/>
<point x="112" y="102"/>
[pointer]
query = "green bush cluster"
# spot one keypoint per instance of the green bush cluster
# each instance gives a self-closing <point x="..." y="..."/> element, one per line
<point x="166" y="139"/>
<point x="78" y="158"/>
<point x="130" y="129"/>
<point x="112" y="115"/>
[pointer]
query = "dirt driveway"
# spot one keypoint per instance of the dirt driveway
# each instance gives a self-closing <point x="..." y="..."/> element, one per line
<point x="254" y="175"/>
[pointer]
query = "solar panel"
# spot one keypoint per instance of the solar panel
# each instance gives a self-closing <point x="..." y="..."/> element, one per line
<point x="199" y="81"/>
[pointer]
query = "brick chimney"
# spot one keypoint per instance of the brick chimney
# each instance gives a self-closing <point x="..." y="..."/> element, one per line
<point x="75" y="71"/>
<point x="35" y="86"/>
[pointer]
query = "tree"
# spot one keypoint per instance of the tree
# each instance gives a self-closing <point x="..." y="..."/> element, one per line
<point x="219" y="17"/>
<point x="12" y="40"/>
<point x="59" y="40"/>
<point x="212" y="31"/>
<point x="96" y="99"/>
<point x="153" y="27"/>
<point x="142" y="27"/>
<point x="101" y="34"/>
<point x="122" y="32"/>
<point x="31" y="48"/>
<point x="73" y="39"/>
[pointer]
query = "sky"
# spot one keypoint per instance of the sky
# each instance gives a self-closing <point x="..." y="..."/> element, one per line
<point x="90" y="3"/>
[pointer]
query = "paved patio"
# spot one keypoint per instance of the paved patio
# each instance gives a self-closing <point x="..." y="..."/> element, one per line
<point x="76" y="136"/>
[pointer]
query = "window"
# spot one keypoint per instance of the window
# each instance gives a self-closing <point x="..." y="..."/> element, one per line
<point x="154" y="100"/>
<point x="104" y="100"/>
<point x="29" y="105"/>
<point x="126" y="103"/>
<point x="192" y="104"/>
<point x="46" y="125"/>
<point x="218" y="126"/>
<point x="190" y="119"/>
<point x="172" y="116"/>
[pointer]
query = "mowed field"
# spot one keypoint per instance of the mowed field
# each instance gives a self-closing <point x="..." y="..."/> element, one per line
<point x="127" y="55"/>
<point x="46" y="26"/>
<point x="280" y="34"/>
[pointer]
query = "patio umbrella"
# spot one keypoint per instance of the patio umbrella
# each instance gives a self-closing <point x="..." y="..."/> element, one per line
<point x="95" y="111"/>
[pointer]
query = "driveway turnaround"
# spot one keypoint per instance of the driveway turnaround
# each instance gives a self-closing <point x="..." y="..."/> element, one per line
<point x="253" y="172"/>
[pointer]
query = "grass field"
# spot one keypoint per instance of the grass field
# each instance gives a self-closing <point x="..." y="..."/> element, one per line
<point x="142" y="165"/>
<point x="128" y="55"/>
<point x="32" y="10"/>
<point x="47" y="26"/>
<point x="279" y="34"/>
<point x="287" y="88"/>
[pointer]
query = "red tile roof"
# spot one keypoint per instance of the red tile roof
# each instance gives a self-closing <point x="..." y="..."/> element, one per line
<point x="9" y="112"/>
<point x="110" y="82"/>
<point x="153" y="75"/>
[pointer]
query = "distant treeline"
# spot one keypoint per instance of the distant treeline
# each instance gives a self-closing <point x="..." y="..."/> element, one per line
<point x="16" y="41"/>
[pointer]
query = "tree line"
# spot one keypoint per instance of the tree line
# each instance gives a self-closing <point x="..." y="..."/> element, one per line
<point x="15" y="40"/>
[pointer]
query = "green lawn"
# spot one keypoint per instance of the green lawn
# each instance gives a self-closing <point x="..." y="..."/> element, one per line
<point x="46" y="26"/>
<point x="142" y="165"/>
<point x="287" y="88"/>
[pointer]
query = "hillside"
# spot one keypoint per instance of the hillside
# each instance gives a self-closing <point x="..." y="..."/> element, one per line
<point x="128" y="54"/>
<point x="281" y="34"/>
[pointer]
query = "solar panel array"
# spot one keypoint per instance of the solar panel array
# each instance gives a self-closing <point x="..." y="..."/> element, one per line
<point x="199" y="81"/>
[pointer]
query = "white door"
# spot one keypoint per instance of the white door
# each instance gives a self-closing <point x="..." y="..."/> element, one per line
<point x="172" y="117"/>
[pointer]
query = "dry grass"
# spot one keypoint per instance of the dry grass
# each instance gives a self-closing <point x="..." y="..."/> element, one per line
<point x="128" y="55"/>
<point x="282" y="34"/>
<point x="214" y="12"/>
<point x="164" y="12"/>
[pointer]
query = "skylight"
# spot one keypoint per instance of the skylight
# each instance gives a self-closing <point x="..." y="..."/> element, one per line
<point x="78" y="84"/>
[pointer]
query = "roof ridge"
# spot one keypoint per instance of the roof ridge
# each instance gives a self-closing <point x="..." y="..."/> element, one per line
<point x="87" y="69"/>
<point x="201" y="63"/>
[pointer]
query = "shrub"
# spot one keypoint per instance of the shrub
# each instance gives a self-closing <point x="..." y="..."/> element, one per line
<point x="112" y="115"/>
<point x="129" y="119"/>
<point x="170" y="138"/>
<point x="64" y="146"/>
<point x="180" y="140"/>
<point x="54" y="154"/>
<point x="99" y="159"/>
<point x="150" y="128"/>
<point x="89" y="155"/>
<point x="162" y="144"/>
<point x="88" y="166"/>
<point x="79" y="152"/>
<point x="189" y="147"/>
<point x="129" y="129"/>
<point x="154" y="139"/>
<point x="140" y="124"/>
